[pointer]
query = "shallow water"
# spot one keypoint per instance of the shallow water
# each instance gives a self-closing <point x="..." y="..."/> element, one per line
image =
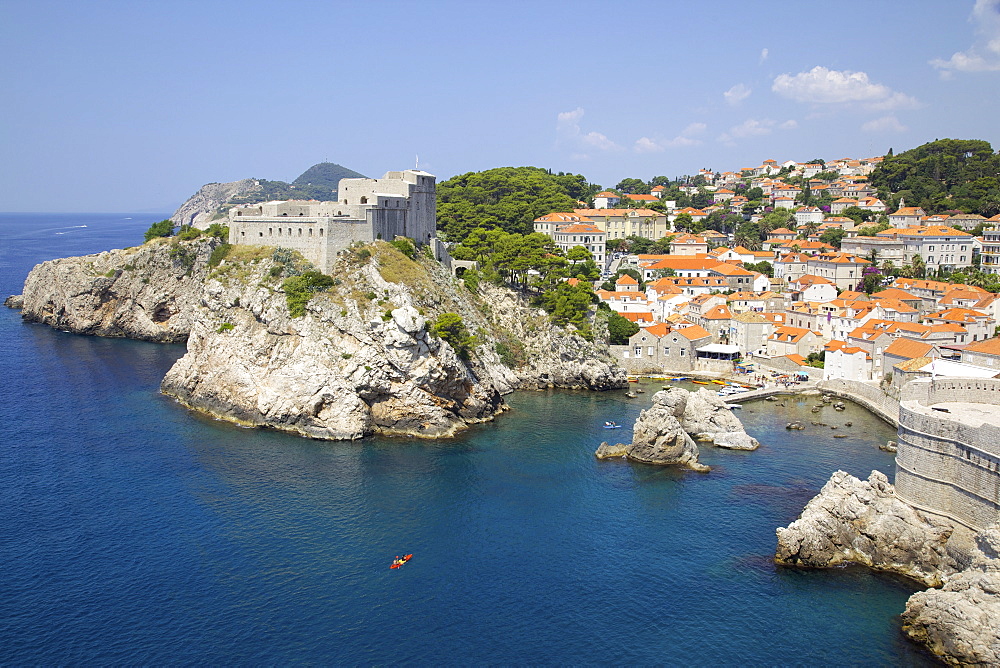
<point x="135" y="531"/>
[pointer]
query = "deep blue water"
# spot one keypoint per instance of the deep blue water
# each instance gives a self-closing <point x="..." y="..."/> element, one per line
<point x="133" y="531"/>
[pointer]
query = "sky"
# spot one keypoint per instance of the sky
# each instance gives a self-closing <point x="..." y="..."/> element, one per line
<point x="132" y="106"/>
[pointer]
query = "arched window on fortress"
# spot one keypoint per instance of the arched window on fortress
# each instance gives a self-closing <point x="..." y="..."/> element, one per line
<point x="279" y="231"/>
<point x="300" y="231"/>
<point x="270" y="231"/>
<point x="321" y="231"/>
<point x="310" y="231"/>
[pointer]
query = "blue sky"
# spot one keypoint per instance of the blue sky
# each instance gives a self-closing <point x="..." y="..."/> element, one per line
<point x="129" y="106"/>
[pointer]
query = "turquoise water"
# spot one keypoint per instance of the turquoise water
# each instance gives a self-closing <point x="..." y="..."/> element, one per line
<point x="137" y="532"/>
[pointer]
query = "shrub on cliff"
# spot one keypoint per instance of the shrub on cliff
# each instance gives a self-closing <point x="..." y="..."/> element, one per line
<point x="164" y="228"/>
<point x="300" y="289"/>
<point x="450" y="328"/>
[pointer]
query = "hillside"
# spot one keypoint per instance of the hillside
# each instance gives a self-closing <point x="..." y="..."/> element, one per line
<point x="943" y="175"/>
<point x="213" y="200"/>
<point x="507" y="198"/>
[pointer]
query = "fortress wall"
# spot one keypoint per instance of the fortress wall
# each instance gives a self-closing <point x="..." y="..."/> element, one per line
<point x="947" y="465"/>
<point x="318" y="241"/>
<point x="929" y="391"/>
<point x="868" y="395"/>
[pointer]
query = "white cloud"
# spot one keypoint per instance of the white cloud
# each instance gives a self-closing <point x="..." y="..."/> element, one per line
<point x="752" y="128"/>
<point x="884" y="124"/>
<point x="570" y="136"/>
<point x="736" y="94"/>
<point x="824" y="86"/>
<point x="687" y="137"/>
<point x="647" y="145"/>
<point x="763" y="56"/>
<point x="984" y="54"/>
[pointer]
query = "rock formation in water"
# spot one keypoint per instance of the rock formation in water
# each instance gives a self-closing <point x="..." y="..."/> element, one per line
<point x="665" y="433"/>
<point x="361" y="360"/>
<point x="863" y="522"/>
<point x="659" y="438"/>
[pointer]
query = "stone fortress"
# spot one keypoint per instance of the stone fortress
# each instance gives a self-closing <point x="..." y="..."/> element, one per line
<point x="948" y="462"/>
<point x="400" y="204"/>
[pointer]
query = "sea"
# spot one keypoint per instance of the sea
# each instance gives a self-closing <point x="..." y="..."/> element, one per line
<point x="134" y="531"/>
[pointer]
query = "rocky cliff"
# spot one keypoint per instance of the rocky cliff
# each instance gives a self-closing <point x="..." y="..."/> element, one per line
<point x="361" y="360"/>
<point x="855" y="521"/>
<point x="151" y="292"/>
<point x="211" y="201"/>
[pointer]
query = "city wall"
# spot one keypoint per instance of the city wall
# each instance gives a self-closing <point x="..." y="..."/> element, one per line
<point x="949" y="463"/>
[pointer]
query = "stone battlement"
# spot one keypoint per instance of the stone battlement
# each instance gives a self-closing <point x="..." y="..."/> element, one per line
<point x="948" y="461"/>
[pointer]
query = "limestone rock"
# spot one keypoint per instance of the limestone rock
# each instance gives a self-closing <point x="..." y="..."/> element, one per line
<point x="659" y="438"/>
<point x="703" y="415"/>
<point x="961" y="621"/>
<point x="605" y="451"/>
<point x="855" y="521"/>
<point x="14" y="301"/>
<point x="145" y="293"/>
<point x="203" y="208"/>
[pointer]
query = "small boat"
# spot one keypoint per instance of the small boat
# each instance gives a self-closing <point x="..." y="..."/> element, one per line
<point x="700" y="382"/>
<point x="612" y="425"/>
<point x="633" y="380"/>
<point x="631" y="395"/>
<point x="396" y="563"/>
<point x="639" y="390"/>
<point x="719" y="382"/>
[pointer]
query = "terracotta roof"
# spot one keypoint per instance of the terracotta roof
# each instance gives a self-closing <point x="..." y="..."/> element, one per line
<point x="987" y="347"/>
<point x="558" y="217"/>
<point x="579" y="228"/>
<point x="721" y="312"/>
<point x="798" y="359"/>
<point x="625" y="279"/>
<point x="659" y="329"/>
<point x="639" y="316"/>
<point x="788" y="334"/>
<point x="908" y="348"/>
<point x="693" y="332"/>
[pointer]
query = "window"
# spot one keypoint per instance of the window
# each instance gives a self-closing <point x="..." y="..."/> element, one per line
<point x="930" y="259"/>
<point x="638" y="351"/>
<point x="666" y="351"/>
<point x="682" y="352"/>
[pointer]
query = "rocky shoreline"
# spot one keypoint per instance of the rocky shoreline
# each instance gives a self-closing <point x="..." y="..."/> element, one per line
<point x="361" y="360"/>
<point x="863" y="522"/>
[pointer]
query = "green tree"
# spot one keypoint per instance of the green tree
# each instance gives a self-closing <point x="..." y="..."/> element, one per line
<point x="633" y="187"/>
<point x="507" y="198"/>
<point x="450" y="328"/>
<point x="164" y="228"/>
<point x="833" y="236"/>
<point x="300" y="289"/>
<point x="620" y="329"/>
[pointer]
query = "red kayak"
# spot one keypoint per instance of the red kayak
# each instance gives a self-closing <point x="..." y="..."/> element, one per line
<point x="399" y="562"/>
